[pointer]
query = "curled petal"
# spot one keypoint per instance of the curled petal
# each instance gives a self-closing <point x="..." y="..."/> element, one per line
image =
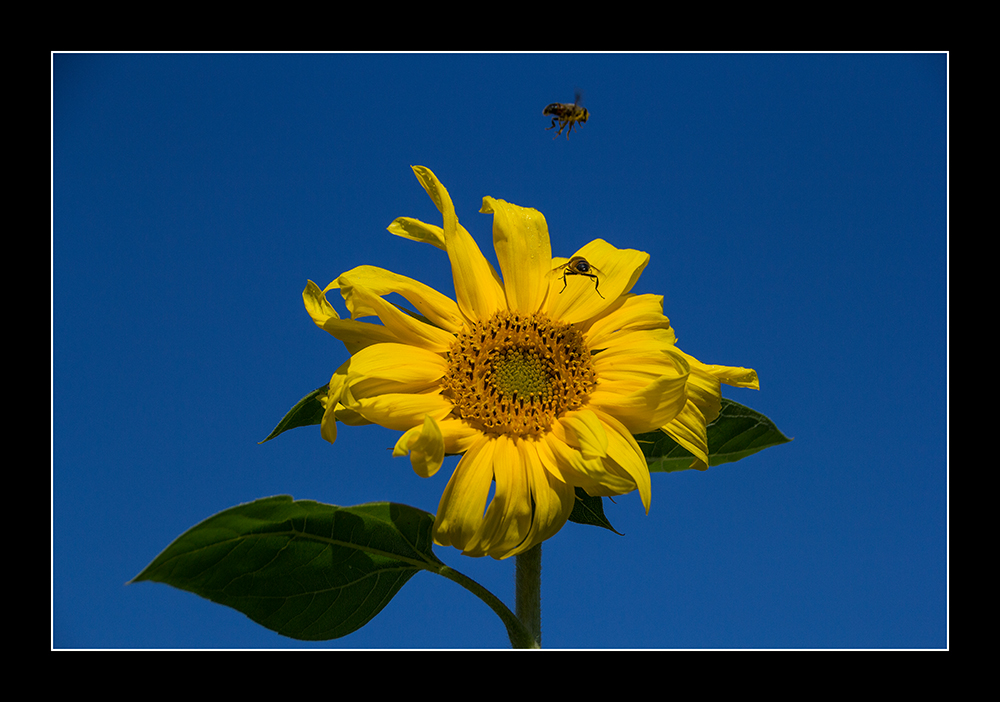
<point x="704" y="386"/>
<point x="425" y="444"/>
<point x="732" y="375"/>
<point x="318" y="307"/>
<point x="355" y="335"/>
<point x="328" y="425"/>
<point x="402" y="326"/>
<point x="439" y="309"/>
<point x="414" y="229"/>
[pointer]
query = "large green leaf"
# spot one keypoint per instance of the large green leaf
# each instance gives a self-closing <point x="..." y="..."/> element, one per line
<point x="306" y="412"/>
<point x="736" y="433"/>
<point x="301" y="568"/>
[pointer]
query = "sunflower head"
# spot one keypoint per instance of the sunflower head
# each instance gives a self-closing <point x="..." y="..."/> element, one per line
<point x="537" y="375"/>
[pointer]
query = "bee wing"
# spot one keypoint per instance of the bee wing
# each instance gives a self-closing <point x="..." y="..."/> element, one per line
<point x="558" y="269"/>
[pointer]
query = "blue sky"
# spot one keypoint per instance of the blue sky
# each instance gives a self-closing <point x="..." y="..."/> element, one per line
<point x="795" y="210"/>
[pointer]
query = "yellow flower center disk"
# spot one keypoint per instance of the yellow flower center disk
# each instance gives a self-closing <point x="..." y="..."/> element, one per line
<point x="515" y="374"/>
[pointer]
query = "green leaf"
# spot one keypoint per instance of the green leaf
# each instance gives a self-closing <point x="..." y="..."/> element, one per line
<point x="306" y="412"/>
<point x="736" y="433"/>
<point x="590" y="510"/>
<point x="304" y="569"/>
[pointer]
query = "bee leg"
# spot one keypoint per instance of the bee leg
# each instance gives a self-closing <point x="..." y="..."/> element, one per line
<point x="597" y="284"/>
<point x="564" y="283"/>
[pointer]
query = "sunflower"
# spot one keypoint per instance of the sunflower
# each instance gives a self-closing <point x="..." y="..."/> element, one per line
<point x="539" y="379"/>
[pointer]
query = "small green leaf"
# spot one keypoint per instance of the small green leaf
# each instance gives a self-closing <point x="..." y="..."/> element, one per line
<point x="304" y="569"/>
<point x="736" y="433"/>
<point x="590" y="510"/>
<point x="306" y="412"/>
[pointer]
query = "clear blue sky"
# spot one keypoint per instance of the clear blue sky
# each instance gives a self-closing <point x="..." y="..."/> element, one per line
<point x="795" y="208"/>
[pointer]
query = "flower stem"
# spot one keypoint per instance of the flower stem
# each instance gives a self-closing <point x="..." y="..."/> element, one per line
<point x="528" y="591"/>
<point x="519" y="635"/>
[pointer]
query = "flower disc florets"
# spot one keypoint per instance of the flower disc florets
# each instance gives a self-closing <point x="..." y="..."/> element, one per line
<point x="515" y="374"/>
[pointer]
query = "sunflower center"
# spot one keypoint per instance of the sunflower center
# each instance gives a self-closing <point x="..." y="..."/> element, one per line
<point x="516" y="373"/>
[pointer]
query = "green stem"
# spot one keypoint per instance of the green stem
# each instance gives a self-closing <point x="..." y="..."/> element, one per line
<point x="528" y="591"/>
<point x="519" y="635"/>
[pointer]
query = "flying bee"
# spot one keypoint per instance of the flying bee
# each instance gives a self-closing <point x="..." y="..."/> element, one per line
<point x="578" y="265"/>
<point x="566" y="115"/>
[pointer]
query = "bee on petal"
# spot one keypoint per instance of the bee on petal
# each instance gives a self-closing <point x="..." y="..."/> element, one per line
<point x="578" y="265"/>
<point x="566" y="115"/>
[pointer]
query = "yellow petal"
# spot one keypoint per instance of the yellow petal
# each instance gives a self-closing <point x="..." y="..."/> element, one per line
<point x="439" y="309"/>
<point x="630" y="313"/>
<point x="704" y="387"/>
<point x="477" y="291"/>
<point x="735" y="376"/>
<point x="402" y="326"/>
<point x="624" y="454"/>
<point x="394" y="368"/>
<point x="460" y="511"/>
<point x="579" y="471"/>
<point x="552" y="503"/>
<point x="459" y="435"/>
<point x="335" y="389"/>
<point x="425" y="444"/>
<point x="689" y="429"/>
<point x="414" y="229"/>
<point x="399" y="411"/>
<point x="645" y="407"/>
<point x="583" y="430"/>
<point x="318" y="307"/>
<point x="355" y="335"/>
<point x="632" y="360"/>
<point x="617" y="271"/>
<point x="508" y="518"/>
<point x="521" y="240"/>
